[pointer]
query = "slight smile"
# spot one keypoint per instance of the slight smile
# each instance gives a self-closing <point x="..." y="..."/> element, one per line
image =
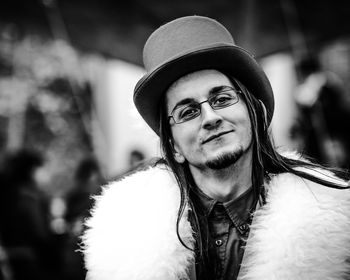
<point x="216" y="136"/>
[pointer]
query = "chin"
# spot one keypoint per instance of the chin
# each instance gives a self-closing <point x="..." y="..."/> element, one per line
<point x="225" y="159"/>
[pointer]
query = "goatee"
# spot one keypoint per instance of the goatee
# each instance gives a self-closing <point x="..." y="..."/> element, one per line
<point x="225" y="160"/>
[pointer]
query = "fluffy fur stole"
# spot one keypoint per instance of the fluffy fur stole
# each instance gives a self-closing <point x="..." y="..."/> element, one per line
<point x="302" y="232"/>
<point x="132" y="232"/>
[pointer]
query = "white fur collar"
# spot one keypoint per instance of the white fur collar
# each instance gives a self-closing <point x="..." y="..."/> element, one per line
<point x="132" y="233"/>
<point x="302" y="233"/>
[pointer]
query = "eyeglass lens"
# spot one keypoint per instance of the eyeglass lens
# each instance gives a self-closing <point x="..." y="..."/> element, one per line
<point x="222" y="99"/>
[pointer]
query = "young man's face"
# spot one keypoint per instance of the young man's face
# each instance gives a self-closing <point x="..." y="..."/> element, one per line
<point x="216" y="138"/>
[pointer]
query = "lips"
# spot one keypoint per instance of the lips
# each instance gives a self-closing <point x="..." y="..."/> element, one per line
<point x="212" y="137"/>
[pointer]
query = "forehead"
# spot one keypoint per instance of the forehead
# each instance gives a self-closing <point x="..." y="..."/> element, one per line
<point x="195" y="85"/>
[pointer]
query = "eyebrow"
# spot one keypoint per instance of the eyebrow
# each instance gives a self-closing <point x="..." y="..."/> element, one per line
<point x="212" y="92"/>
<point x="217" y="89"/>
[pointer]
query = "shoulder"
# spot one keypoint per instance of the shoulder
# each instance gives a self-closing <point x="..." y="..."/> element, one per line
<point x="147" y="181"/>
<point x="140" y="189"/>
<point x="292" y="189"/>
<point x="300" y="218"/>
<point x="291" y="182"/>
<point x="133" y="222"/>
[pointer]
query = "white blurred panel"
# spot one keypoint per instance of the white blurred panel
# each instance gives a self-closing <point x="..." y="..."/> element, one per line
<point x="122" y="127"/>
<point x="280" y="70"/>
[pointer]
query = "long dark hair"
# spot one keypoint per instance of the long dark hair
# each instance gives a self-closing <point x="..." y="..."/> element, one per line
<point x="266" y="161"/>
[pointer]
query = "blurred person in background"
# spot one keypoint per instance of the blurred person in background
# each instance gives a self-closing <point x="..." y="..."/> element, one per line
<point x="87" y="182"/>
<point x="5" y="268"/>
<point x="322" y="127"/>
<point x="135" y="158"/>
<point x="24" y="224"/>
<point x="223" y="203"/>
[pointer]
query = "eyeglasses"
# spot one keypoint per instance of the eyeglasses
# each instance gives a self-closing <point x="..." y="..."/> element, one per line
<point x="226" y="97"/>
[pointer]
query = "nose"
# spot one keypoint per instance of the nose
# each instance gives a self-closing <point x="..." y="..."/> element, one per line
<point x="210" y="118"/>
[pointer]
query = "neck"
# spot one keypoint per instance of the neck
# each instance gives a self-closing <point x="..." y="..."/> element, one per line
<point x="225" y="184"/>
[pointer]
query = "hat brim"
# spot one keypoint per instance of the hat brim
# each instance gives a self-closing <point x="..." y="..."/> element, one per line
<point x="231" y="60"/>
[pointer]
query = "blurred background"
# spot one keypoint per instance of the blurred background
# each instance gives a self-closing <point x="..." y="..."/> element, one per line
<point x="68" y="125"/>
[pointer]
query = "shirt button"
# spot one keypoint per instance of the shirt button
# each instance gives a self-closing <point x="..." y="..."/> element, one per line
<point x="218" y="242"/>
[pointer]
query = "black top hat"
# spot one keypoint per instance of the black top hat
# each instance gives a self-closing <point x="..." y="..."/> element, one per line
<point x="189" y="44"/>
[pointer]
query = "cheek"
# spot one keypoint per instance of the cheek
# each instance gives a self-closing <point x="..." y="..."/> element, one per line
<point x="184" y="138"/>
<point x="242" y="122"/>
<point x="247" y="125"/>
<point x="248" y="130"/>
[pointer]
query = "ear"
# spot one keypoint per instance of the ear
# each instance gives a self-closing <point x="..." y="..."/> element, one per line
<point x="178" y="155"/>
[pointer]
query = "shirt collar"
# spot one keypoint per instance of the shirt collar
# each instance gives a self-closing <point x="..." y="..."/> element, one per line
<point x="238" y="209"/>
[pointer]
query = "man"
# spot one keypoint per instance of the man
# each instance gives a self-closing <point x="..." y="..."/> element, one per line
<point x="322" y="102"/>
<point x="223" y="204"/>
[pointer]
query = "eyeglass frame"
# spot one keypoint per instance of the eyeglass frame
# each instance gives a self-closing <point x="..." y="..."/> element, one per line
<point x="237" y="91"/>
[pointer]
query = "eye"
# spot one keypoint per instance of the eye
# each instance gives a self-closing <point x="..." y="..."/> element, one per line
<point x="221" y="100"/>
<point x="187" y="112"/>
